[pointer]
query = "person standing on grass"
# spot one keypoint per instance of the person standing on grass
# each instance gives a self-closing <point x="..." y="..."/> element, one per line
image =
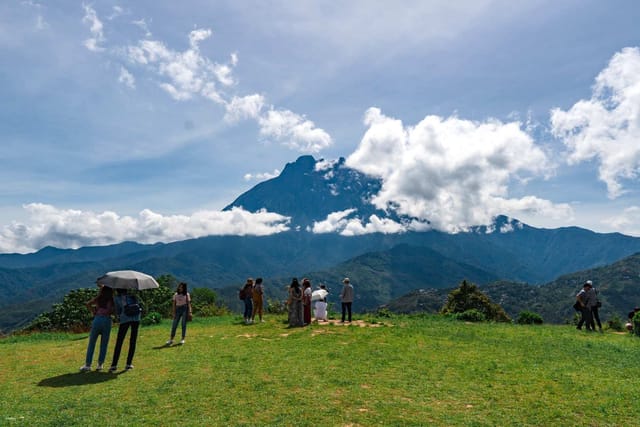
<point x="247" y="299"/>
<point x="295" y="303"/>
<point x="180" y="310"/>
<point x="258" y="300"/>
<point x="306" y="301"/>
<point x="127" y="321"/>
<point x="595" y="305"/>
<point x="346" y="298"/>
<point x="102" y="308"/>
<point x="321" y="306"/>
<point x="584" y="299"/>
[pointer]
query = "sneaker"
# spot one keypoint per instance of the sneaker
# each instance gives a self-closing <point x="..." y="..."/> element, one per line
<point x="85" y="368"/>
<point x="128" y="367"/>
<point x="182" y="342"/>
<point x="100" y="367"/>
<point x="113" y="369"/>
<point x="169" y="342"/>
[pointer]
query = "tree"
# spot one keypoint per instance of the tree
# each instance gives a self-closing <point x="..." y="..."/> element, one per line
<point x="70" y="315"/>
<point x="469" y="297"/>
<point x="158" y="300"/>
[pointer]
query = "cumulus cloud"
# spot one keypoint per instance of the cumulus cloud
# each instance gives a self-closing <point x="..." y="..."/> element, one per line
<point x="343" y="223"/>
<point x="293" y="131"/>
<point x="187" y="73"/>
<point x="96" y="29"/>
<point x="606" y="128"/>
<point x="451" y="172"/>
<point x="244" y="107"/>
<point x="68" y="228"/>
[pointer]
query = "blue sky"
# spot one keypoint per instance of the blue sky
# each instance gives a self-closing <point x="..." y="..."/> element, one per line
<point x="142" y="120"/>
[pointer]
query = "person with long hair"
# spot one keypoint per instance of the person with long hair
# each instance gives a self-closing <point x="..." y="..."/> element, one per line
<point x="295" y="303"/>
<point x="247" y="299"/>
<point x="180" y="310"/>
<point x="126" y="321"/>
<point x="102" y="308"/>
<point x="258" y="300"/>
<point x="306" y="301"/>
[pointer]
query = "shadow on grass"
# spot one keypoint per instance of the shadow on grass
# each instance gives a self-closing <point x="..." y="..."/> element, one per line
<point x="78" y="378"/>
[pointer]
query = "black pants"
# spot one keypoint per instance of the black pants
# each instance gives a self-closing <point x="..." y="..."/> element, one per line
<point x="595" y="315"/>
<point x="346" y="307"/>
<point x="586" y="319"/>
<point x="122" y="332"/>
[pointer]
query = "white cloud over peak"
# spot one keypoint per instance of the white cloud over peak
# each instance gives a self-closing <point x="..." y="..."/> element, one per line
<point x="244" y="107"/>
<point x="454" y="173"/>
<point x="343" y="223"/>
<point x="68" y="228"/>
<point x="606" y="128"/>
<point x="628" y="221"/>
<point x="293" y="131"/>
<point x="262" y="176"/>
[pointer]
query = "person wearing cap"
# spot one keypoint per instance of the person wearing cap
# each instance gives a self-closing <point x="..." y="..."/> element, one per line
<point x="584" y="299"/>
<point x="346" y="298"/>
<point x="594" y="306"/>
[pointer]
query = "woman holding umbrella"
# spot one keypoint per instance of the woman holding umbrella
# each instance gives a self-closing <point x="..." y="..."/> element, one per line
<point x="102" y="307"/>
<point x="181" y="309"/>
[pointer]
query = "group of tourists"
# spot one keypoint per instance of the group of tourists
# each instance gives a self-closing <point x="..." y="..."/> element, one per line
<point x="588" y="304"/>
<point x="301" y="298"/>
<point x="252" y="294"/>
<point x="128" y="311"/>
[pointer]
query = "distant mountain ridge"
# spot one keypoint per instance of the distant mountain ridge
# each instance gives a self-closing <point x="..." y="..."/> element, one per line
<point x="384" y="266"/>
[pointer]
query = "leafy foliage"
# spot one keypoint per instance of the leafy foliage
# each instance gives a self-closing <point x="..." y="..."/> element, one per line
<point x="529" y="318"/>
<point x="69" y="315"/>
<point x="151" y="318"/>
<point x="159" y="299"/>
<point x="469" y="297"/>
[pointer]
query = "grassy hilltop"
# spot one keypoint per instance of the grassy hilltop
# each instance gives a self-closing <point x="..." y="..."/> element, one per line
<point x="398" y="371"/>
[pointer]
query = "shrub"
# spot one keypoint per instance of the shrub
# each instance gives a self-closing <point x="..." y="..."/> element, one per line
<point x="472" y="315"/>
<point x="151" y="318"/>
<point x="615" y="323"/>
<point x="70" y="315"/>
<point x="468" y="297"/>
<point x="275" y="306"/>
<point x="529" y="318"/>
<point x="636" y="324"/>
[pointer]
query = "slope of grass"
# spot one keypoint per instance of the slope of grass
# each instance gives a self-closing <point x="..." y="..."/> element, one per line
<point x="408" y="371"/>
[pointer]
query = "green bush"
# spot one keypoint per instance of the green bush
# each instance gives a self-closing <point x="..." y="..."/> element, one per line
<point x="469" y="297"/>
<point x="529" y="318"/>
<point x="275" y="306"/>
<point x="472" y="315"/>
<point x="70" y="315"/>
<point x="151" y="318"/>
<point x="615" y="323"/>
<point x="636" y="324"/>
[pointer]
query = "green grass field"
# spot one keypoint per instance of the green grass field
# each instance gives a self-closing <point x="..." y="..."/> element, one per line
<point x="409" y="371"/>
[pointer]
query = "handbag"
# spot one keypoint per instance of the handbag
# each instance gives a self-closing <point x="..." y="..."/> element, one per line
<point x="577" y="306"/>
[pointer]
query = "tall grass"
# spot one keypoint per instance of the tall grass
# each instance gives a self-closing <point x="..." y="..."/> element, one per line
<point x="411" y="371"/>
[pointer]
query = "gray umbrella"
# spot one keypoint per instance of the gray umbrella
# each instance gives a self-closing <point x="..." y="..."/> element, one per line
<point x="127" y="279"/>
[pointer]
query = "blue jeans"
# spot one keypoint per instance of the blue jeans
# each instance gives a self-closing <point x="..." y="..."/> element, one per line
<point x="101" y="325"/>
<point x="181" y="313"/>
<point x="248" y="307"/>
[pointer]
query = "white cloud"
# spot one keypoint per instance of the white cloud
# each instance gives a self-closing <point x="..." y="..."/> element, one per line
<point x="627" y="222"/>
<point x="245" y="107"/>
<point x="340" y="222"/>
<point x="95" y="28"/>
<point x="187" y="73"/>
<point x="126" y="78"/>
<point x="606" y="127"/>
<point x="451" y="172"/>
<point x="70" y="228"/>
<point x="293" y="131"/>
<point x="262" y="176"/>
